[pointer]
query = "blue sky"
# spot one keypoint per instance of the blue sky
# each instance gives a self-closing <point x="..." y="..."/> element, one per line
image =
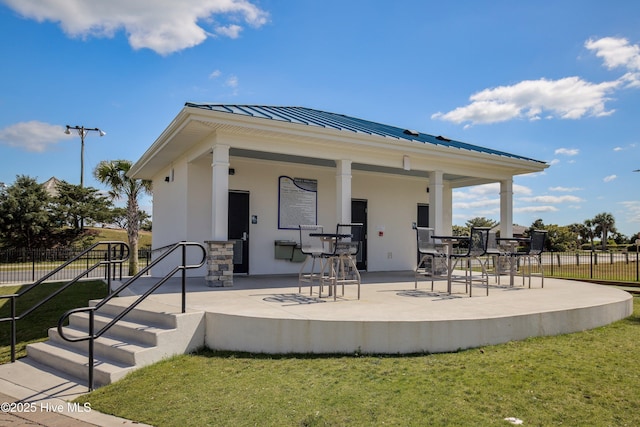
<point x="557" y="81"/>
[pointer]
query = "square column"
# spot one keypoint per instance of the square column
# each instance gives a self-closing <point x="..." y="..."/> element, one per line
<point x="220" y="250"/>
<point x="436" y="200"/>
<point x="219" y="263"/>
<point x="220" y="192"/>
<point x="506" y="208"/>
<point x="343" y="191"/>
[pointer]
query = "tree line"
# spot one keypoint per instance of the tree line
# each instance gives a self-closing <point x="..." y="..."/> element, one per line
<point x="598" y="232"/>
<point x="31" y="217"/>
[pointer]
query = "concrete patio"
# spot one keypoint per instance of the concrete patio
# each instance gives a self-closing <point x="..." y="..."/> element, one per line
<point x="267" y="314"/>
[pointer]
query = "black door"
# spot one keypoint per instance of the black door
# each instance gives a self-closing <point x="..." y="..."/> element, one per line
<point x="238" y="230"/>
<point x="423" y="219"/>
<point x="359" y="215"/>
<point x="423" y="215"/>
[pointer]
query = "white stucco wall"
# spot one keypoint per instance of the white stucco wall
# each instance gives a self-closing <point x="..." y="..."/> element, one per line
<point x="182" y="209"/>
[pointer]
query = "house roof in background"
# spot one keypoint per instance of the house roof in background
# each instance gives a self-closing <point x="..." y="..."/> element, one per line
<point x="51" y="186"/>
<point x="341" y="122"/>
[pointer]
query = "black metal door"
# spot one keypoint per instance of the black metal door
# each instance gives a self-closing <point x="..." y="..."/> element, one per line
<point x="423" y="219"/>
<point x="359" y="215"/>
<point x="423" y="215"/>
<point x="238" y="230"/>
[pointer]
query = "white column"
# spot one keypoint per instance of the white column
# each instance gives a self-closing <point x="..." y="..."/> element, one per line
<point x="436" y="200"/>
<point x="220" y="192"/>
<point x="506" y="208"/>
<point x="343" y="191"/>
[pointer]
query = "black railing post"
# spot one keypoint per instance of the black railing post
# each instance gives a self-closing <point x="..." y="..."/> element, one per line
<point x="13" y="328"/>
<point x="33" y="265"/>
<point x="591" y="265"/>
<point x="91" y="341"/>
<point x="637" y="267"/>
<point x="109" y="267"/>
<point x="184" y="279"/>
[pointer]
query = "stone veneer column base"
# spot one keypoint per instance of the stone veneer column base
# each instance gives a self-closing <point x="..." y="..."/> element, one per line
<point x="219" y="263"/>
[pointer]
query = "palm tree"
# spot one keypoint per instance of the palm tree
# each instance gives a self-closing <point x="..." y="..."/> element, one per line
<point x="113" y="173"/>
<point x="589" y="225"/>
<point x="605" y="223"/>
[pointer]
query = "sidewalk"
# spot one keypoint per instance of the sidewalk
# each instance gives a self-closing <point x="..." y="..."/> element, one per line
<point x="33" y="395"/>
<point x="20" y="415"/>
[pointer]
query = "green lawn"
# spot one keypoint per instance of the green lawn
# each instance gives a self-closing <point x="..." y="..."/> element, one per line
<point x="119" y="235"/>
<point x="590" y="378"/>
<point x="33" y="328"/>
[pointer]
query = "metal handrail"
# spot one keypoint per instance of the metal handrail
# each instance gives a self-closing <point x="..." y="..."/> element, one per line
<point x="93" y="335"/>
<point x="124" y="253"/>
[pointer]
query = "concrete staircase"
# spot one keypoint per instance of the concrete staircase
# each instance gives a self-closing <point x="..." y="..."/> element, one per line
<point x="151" y="332"/>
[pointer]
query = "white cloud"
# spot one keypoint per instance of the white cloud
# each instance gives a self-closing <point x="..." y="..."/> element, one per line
<point x="565" y="189"/>
<point x="32" y="136"/>
<point x="164" y="26"/>
<point x="232" y="82"/>
<point x="535" y="209"/>
<point x="609" y="178"/>
<point x="567" y="98"/>
<point x="617" y="52"/>
<point x="488" y="189"/>
<point x="231" y="31"/>
<point x="215" y="74"/>
<point x="628" y="147"/>
<point x="567" y="151"/>
<point x="482" y="203"/>
<point x="552" y="199"/>
<point x="632" y="210"/>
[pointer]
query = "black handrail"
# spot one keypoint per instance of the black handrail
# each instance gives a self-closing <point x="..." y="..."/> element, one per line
<point x="114" y="247"/>
<point x="93" y="335"/>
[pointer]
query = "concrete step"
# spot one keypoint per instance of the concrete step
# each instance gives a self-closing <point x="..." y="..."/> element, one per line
<point x="106" y="347"/>
<point x="148" y="334"/>
<point x="124" y="330"/>
<point x="147" y="312"/>
<point x="76" y="364"/>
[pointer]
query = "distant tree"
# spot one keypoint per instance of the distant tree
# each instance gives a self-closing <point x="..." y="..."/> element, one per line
<point x="560" y="238"/>
<point x="74" y="205"/>
<point x="25" y="215"/>
<point x="605" y="223"/>
<point x="582" y="232"/>
<point x="120" y="219"/>
<point x="619" y="238"/>
<point x="460" y="230"/>
<point x="538" y="224"/>
<point x="590" y="230"/>
<point x="113" y="173"/>
<point x="480" y="222"/>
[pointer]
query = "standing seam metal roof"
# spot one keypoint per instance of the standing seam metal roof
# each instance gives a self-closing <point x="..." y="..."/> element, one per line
<point x="311" y="117"/>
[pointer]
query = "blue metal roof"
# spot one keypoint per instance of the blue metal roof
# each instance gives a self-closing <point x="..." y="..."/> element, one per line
<point x="311" y="117"/>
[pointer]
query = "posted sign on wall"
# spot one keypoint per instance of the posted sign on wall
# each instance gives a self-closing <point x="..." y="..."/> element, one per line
<point x="297" y="202"/>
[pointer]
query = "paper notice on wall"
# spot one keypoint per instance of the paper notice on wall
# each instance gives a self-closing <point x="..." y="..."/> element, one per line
<point x="297" y="202"/>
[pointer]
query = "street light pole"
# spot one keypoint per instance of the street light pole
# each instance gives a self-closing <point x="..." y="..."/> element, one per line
<point x="82" y="131"/>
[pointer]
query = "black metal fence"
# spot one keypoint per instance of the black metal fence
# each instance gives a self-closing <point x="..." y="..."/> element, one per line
<point x="593" y="265"/>
<point x="26" y="266"/>
<point x="29" y="265"/>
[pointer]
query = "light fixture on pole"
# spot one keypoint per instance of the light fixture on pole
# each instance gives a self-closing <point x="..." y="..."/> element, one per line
<point x="82" y="131"/>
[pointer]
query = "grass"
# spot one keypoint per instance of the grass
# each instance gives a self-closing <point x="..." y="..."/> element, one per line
<point x="33" y="328"/>
<point x="120" y="235"/>
<point x="587" y="378"/>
